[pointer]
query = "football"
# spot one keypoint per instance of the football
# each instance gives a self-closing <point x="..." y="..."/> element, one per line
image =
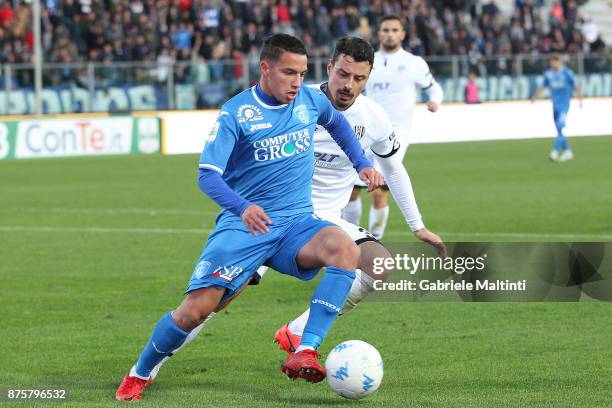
<point x="354" y="369"/>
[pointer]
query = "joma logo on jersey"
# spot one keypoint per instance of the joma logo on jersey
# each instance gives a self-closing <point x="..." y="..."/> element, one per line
<point x="282" y="146"/>
<point x="260" y="126"/>
<point x="359" y="131"/>
<point x="228" y="273"/>
<point x="248" y="113"/>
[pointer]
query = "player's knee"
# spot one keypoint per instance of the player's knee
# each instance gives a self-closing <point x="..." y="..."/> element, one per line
<point x="188" y="318"/>
<point x="345" y="255"/>
<point x="372" y="260"/>
<point x="195" y="309"/>
<point x="379" y="198"/>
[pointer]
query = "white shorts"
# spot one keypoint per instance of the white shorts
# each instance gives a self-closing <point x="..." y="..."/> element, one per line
<point x="357" y="233"/>
<point x="402" y="135"/>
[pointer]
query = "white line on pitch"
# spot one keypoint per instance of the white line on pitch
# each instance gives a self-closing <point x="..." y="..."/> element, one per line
<point x="22" y="228"/>
<point x="198" y="231"/>
<point x="128" y="210"/>
<point x="526" y="235"/>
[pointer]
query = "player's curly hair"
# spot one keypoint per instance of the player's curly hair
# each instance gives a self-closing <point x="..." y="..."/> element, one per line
<point x="277" y="44"/>
<point x="356" y="48"/>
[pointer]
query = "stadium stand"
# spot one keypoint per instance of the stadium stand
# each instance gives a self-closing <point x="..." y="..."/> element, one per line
<point x="210" y="30"/>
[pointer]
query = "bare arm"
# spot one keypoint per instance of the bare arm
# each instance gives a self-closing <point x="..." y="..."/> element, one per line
<point x="536" y="94"/>
<point x="579" y="94"/>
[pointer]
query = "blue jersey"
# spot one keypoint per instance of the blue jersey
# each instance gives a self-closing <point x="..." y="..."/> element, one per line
<point x="561" y="85"/>
<point x="265" y="152"/>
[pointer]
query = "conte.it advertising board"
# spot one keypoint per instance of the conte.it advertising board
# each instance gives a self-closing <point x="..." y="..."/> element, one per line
<point x="43" y="138"/>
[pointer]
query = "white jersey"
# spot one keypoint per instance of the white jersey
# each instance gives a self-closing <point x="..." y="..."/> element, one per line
<point x="393" y="83"/>
<point x="334" y="175"/>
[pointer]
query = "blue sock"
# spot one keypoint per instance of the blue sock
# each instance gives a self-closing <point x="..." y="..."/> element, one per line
<point x="564" y="145"/>
<point x="166" y="338"/>
<point x="559" y="142"/>
<point x="326" y="302"/>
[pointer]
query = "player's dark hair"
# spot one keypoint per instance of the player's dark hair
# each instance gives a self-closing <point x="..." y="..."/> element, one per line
<point x="389" y="17"/>
<point x="277" y="44"/>
<point x="356" y="48"/>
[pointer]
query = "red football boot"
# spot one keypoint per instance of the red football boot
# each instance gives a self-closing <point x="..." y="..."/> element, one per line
<point x="304" y="365"/>
<point x="131" y="388"/>
<point x="286" y="340"/>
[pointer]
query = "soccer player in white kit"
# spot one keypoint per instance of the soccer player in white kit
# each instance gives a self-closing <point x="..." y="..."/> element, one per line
<point x="348" y="73"/>
<point x="393" y="83"/>
<point x="333" y="178"/>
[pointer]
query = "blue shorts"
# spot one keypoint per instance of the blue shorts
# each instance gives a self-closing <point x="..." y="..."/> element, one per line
<point x="232" y="254"/>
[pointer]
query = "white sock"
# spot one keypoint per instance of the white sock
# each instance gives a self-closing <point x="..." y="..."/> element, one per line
<point x="352" y="211"/>
<point x="301" y="348"/>
<point x="378" y="221"/>
<point x="192" y="335"/>
<point x="297" y="326"/>
<point x="360" y="289"/>
<point x="134" y="374"/>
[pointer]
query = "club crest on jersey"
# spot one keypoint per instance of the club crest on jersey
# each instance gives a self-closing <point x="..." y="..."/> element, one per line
<point x="359" y="131"/>
<point x="228" y="273"/>
<point x="301" y="112"/>
<point x="201" y="269"/>
<point x="248" y="113"/>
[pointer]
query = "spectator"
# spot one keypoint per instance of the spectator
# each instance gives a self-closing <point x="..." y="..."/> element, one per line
<point x="139" y="30"/>
<point x="471" y="89"/>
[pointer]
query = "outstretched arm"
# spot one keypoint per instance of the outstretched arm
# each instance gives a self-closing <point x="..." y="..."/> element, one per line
<point x="399" y="183"/>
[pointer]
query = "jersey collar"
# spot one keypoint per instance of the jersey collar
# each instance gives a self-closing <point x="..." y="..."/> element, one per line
<point x="265" y="100"/>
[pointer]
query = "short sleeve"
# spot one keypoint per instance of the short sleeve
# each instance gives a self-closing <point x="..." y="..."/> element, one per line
<point x="386" y="143"/>
<point x="545" y="81"/>
<point x="220" y="143"/>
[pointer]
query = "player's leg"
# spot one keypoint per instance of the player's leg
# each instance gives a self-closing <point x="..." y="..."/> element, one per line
<point x="352" y="211"/>
<point x="308" y="245"/>
<point x="289" y="336"/>
<point x="220" y="273"/>
<point x="379" y="212"/>
<point x="169" y="334"/>
<point x="559" y="140"/>
<point x="194" y="333"/>
<point x="566" y="153"/>
<point x="333" y="248"/>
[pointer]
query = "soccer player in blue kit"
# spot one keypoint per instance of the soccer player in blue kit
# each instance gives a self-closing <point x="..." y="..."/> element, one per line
<point x="561" y="82"/>
<point x="257" y="165"/>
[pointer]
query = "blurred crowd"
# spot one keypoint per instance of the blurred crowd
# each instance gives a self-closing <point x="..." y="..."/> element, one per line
<point x="205" y="31"/>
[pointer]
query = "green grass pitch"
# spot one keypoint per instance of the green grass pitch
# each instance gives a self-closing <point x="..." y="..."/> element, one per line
<point x="94" y="250"/>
